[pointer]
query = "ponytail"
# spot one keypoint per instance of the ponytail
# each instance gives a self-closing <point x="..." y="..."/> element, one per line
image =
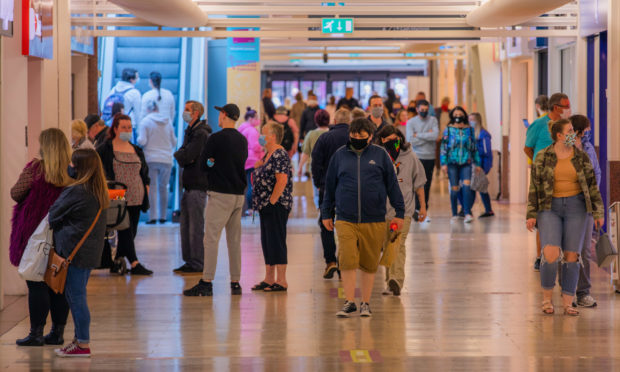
<point x="156" y="80"/>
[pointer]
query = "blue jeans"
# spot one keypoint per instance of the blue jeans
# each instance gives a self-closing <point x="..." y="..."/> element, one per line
<point x="563" y="226"/>
<point x="248" y="192"/>
<point x="457" y="174"/>
<point x="159" y="174"/>
<point x="75" y="291"/>
<point x="486" y="200"/>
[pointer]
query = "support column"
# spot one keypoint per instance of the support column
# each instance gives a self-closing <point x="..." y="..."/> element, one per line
<point x="613" y="97"/>
<point x="14" y="107"/>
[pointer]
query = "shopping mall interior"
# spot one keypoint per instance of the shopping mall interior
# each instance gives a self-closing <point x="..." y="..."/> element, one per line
<point x="471" y="297"/>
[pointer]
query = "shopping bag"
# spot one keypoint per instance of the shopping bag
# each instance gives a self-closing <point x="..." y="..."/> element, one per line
<point x="479" y="182"/>
<point x="606" y="253"/>
<point x="34" y="260"/>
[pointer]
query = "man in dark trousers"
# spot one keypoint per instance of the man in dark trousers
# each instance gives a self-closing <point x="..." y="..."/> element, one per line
<point x="325" y="147"/>
<point x="226" y="152"/>
<point x="194" y="180"/>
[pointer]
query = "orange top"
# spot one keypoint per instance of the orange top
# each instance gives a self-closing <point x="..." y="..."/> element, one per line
<point x="566" y="183"/>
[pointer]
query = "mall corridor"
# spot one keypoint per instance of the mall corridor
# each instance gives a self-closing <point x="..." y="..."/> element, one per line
<point x="470" y="303"/>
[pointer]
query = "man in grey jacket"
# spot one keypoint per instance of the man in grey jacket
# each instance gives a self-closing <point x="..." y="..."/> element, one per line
<point x="422" y="133"/>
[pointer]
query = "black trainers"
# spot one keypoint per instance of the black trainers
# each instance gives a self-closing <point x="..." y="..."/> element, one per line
<point x="348" y="309"/>
<point x="151" y="222"/>
<point x="235" y="288"/>
<point x="537" y="264"/>
<point x="394" y="287"/>
<point x="140" y="270"/>
<point x="162" y="221"/>
<point x="461" y="213"/>
<point x="185" y="269"/>
<point x="487" y="214"/>
<point x="201" y="289"/>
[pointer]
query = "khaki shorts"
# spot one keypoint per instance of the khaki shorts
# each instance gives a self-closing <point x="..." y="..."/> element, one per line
<point x="359" y="245"/>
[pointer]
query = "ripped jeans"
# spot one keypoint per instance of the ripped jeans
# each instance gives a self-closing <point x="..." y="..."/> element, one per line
<point x="457" y="174"/>
<point x="563" y="226"/>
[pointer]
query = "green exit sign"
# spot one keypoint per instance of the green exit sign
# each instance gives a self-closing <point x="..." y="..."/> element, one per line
<point x="337" y="25"/>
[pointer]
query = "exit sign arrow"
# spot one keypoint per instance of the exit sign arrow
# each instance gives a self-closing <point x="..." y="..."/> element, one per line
<point x="337" y="25"/>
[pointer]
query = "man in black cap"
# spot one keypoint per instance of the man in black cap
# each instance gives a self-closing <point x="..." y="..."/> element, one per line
<point x="97" y="130"/>
<point x="226" y="152"/>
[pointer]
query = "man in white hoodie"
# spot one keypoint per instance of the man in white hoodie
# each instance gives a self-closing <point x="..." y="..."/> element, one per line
<point x="131" y="97"/>
<point x="156" y="136"/>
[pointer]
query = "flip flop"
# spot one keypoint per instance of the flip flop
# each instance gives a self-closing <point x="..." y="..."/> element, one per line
<point x="275" y="287"/>
<point x="261" y="286"/>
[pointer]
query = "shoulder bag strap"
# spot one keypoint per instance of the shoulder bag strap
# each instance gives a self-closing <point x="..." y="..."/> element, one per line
<point x="81" y="242"/>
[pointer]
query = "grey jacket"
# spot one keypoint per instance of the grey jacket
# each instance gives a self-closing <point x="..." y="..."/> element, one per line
<point x="426" y="131"/>
<point x="70" y="217"/>
<point x="411" y="176"/>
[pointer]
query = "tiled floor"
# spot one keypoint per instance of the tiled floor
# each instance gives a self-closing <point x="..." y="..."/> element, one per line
<point x="471" y="302"/>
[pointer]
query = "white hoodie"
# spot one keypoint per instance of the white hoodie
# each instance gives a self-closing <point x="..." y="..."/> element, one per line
<point x="132" y="100"/>
<point x="156" y="136"/>
<point x="166" y="104"/>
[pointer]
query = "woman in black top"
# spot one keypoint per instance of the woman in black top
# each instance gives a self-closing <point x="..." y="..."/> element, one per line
<point x="124" y="162"/>
<point x="77" y="209"/>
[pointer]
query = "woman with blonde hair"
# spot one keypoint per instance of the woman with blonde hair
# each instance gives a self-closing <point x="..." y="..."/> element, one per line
<point x="77" y="209"/>
<point x="79" y="135"/>
<point x="483" y="142"/>
<point x="38" y="187"/>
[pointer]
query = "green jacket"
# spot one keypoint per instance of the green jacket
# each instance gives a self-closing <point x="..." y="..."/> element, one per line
<point x="543" y="176"/>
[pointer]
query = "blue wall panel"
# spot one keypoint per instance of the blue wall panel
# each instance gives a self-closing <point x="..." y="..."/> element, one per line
<point x="216" y="86"/>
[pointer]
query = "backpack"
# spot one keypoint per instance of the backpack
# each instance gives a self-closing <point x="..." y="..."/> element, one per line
<point x="288" y="138"/>
<point x="115" y="97"/>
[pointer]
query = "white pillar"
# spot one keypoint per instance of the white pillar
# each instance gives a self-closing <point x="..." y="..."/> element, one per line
<point x="613" y="82"/>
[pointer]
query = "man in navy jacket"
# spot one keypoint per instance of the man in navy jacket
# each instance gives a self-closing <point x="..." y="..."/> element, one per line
<point x="359" y="179"/>
<point x="325" y="147"/>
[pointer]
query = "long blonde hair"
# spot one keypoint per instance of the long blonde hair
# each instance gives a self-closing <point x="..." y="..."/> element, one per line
<point x="89" y="172"/>
<point x="55" y="154"/>
<point x="480" y="124"/>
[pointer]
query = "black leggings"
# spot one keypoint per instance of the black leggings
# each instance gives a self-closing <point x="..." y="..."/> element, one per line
<point x="126" y="247"/>
<point x="42" y="300"/>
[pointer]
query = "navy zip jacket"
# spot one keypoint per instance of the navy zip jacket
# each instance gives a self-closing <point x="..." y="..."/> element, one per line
<point x="325" y="147"/>
<point x="358" y="184"/>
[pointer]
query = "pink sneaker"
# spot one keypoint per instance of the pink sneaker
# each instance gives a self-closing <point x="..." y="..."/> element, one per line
<point x="73" y="351"/>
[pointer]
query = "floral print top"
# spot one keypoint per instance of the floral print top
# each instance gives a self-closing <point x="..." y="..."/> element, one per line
<point x="127" y="170"/>
<point x="264" y="180"/>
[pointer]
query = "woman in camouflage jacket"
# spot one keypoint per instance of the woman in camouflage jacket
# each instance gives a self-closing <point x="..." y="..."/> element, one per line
<point x="563" y="191"/>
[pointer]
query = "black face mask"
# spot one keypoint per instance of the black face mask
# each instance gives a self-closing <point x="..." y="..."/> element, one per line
<point x="358" y="144"/>
<point x="72" y="172"/>
<point x="393" y="148"/>
<point x="423" y="114"/>
<point x="459" y="119"/>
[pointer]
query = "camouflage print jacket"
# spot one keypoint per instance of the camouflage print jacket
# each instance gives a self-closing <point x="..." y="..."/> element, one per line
<point x="543" y="175"/>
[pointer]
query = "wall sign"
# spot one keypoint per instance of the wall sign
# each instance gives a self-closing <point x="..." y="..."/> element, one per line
<point x="38" y="28"/>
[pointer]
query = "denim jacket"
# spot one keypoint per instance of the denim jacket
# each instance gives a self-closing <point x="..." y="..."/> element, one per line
<point x="543" y="177"/>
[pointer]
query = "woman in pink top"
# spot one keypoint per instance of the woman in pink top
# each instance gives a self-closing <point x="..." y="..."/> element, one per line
<point x="249" y="129"/>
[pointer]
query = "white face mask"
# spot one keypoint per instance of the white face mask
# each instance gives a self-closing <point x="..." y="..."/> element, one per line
<point x="566" y="113"/>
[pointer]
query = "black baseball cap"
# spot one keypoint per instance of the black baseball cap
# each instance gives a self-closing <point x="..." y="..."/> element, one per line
<point x="91" y="120"/>
<point x="231" y="110"/>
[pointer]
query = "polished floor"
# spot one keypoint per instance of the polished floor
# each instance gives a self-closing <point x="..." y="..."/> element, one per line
<point x="471" y="302"/>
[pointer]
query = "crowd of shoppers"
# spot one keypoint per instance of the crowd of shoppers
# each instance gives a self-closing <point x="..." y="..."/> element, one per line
<point x="371" y="170"/>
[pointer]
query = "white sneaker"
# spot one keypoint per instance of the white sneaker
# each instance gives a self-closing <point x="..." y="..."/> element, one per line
<point x="365" y="310"/>
<point x="455" y="218"/>
<point x="469" y="218"/>
<point x="427" y="219"/>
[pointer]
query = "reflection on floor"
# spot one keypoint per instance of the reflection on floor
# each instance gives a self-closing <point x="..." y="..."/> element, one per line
<point x="471" y="302"/>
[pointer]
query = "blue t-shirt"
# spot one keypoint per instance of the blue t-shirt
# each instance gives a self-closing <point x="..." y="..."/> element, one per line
<point x="538" y="136"/>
